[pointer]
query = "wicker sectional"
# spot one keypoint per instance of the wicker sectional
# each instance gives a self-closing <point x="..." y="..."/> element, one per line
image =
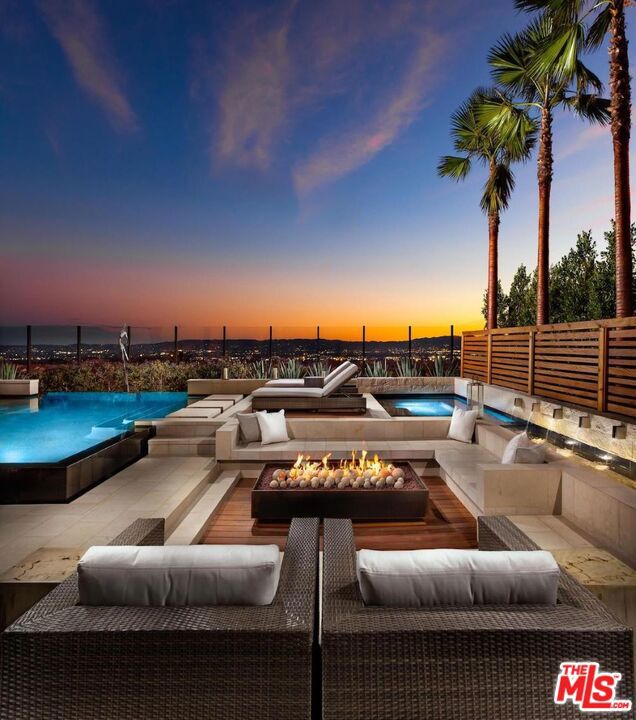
<point x="70" y="662"/>
<point x="478" y="663"/>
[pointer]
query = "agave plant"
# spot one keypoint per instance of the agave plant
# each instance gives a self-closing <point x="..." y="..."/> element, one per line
<point x="377" y="368"/>
<point x="441" y="367"/>
<point x="405" y="367"/>
<point x="258" y="369"/>
<point x="318" y="369"/>
<point x="8" y="371"/>
<point x="291" y="368"/>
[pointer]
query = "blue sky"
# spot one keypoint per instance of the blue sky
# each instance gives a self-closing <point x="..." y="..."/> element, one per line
<point x="253" y="163"/>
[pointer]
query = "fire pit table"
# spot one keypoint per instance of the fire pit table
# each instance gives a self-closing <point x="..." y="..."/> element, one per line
<point x="405" y="500"/>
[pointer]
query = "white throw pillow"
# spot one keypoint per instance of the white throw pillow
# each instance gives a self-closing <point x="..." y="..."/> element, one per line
<point x="510" y="451"/>
<point x="533" y="455"/>
<point x="179" y="575"/>
<point x="424" y="578"/>
<point x="521" y="449"/>
<point x="462" y="425"/>
<point x="273" y="427"/>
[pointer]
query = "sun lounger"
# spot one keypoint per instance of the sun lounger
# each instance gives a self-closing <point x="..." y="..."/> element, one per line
<point x="300" y="382"/>
<point x="330" y="397"/>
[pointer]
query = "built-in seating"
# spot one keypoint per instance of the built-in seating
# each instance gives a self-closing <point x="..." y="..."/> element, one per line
<point x="472" y="470"/>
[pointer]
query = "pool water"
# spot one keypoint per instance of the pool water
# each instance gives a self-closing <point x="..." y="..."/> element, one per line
<point x="58" y="426"/>
<point x="433" y="406"/>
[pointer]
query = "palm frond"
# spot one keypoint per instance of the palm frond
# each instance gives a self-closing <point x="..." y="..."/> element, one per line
<point x="456" y="168"/>
<point x="599" y="28"/>
<point x="498" y="189"/>
<point x="590" y="107"/>
<point x="510" y="63"/>
<point x="586" y="79"/>
<point x="557" y="50"/>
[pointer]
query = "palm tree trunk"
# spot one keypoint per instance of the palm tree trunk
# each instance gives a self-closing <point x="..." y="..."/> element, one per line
<point x="621" y="120"/>
<point x="493" y="268"/>
<point x="544" y="176"/>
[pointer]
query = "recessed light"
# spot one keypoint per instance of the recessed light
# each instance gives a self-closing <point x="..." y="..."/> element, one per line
<point x="557" y="413"/>
<point x="585" y="421"/>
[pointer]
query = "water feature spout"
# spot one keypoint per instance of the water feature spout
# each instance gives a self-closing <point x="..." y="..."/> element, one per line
<point x="123" y="344"/>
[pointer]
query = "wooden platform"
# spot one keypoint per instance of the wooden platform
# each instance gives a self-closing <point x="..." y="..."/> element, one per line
<point x="447" y="524"/>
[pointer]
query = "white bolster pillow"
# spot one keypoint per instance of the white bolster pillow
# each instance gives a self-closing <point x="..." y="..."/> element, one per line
<point x="179" y="575"/>
<point x="425" y="578"/>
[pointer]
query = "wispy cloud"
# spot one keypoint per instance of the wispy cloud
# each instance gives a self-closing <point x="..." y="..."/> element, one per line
<point x="585" y="137"/>
<point x="79" y="29"/>
<point x="253" y="100"/>
<point x="345" y="152"/>
<point x="282" y="66"/>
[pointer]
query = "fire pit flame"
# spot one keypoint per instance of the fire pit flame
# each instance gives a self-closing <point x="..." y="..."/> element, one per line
<point x="358" y="472"/>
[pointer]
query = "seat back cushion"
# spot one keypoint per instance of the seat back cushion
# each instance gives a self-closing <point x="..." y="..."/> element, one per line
<point x="273" y="427"/>
<point x="249" y="427"/>
<point x="425" y="578"/>
<point x="462" y="425"/>
<point x="179" y="575"/>
<point x="347" y="372"/>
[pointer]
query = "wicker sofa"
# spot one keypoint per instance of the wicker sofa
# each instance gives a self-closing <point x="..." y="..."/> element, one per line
<point x="62" y="660"/>
<point x="477" y="663"/>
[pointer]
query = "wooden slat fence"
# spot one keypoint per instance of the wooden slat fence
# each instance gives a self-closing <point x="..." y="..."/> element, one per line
<point x="589" y="364"/>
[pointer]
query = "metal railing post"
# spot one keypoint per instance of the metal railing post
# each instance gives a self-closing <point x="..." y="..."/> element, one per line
<point x="224" y="345"/>
<point x="364" y="349"/>
<point x="176" y="343"/>
<point x="271" y="343"/>
<point x="410" y="344"/>
<point x="452" y="343"/>
<point x="129" y="343"/>
<point x="79" y="345"/>
<point x="318" y="341"/>
<point x="29" y="348"/>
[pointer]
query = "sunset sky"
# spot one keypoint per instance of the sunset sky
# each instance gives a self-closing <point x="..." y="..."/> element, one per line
<point x="255" y="163"/>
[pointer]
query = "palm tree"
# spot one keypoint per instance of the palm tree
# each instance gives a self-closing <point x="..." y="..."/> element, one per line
<point x="497" y="151"/>
<point x="604" y="16"/>
<point x="544" y="87"/>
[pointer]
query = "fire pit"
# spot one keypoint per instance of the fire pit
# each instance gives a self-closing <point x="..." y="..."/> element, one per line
<point x="360" y="489"/>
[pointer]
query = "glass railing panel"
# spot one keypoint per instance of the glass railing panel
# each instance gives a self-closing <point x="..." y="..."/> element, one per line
<point x="100" y="342"/>
<point x="53" y="344"/>
<point x="13" y="345"/>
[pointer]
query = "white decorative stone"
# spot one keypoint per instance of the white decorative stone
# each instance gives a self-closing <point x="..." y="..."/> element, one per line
<point x="273" y="483"/>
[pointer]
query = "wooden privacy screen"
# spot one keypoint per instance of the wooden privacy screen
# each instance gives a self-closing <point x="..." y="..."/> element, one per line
<point x="591" y="364"/>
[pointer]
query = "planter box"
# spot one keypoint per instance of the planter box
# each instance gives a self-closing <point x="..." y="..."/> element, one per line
<point x="19" y="388"/>
<point x="408" y="503"/>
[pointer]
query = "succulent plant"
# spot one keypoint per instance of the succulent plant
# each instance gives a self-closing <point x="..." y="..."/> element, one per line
<point x="8" y="371"/>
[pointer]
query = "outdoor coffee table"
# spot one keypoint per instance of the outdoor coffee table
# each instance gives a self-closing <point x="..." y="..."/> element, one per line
<point x="407" y="503"/>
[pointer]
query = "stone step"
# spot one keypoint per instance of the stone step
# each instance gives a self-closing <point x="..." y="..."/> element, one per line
<point x="182" y="446"/>
<point x="186" y="427"/>
<point x="192" y="527"/>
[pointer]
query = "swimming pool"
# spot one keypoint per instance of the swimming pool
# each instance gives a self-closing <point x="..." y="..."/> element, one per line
<point x="433" y="406"/>
<point x="61" y="425"/>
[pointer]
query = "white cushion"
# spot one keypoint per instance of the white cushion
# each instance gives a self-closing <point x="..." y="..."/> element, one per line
<point x="510" y="451"/>
<point x="533" y="455"/>
<point x="423" y="578"/>
<point x="521" y="449"/>
<point x="462" y="425"/>
<point x="249" y="427"/>
<point x="179" y="575"/>
<point x="273" y="427"/>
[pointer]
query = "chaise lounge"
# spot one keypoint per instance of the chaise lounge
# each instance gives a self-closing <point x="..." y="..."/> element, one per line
<point x="330" y="396"/>
<point x="307" y="382"/>
<point x="481" y="661"/>
<point x="80" y="662"/>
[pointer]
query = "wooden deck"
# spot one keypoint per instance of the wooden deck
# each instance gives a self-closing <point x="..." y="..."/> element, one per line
<point x="447" y="524"/>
